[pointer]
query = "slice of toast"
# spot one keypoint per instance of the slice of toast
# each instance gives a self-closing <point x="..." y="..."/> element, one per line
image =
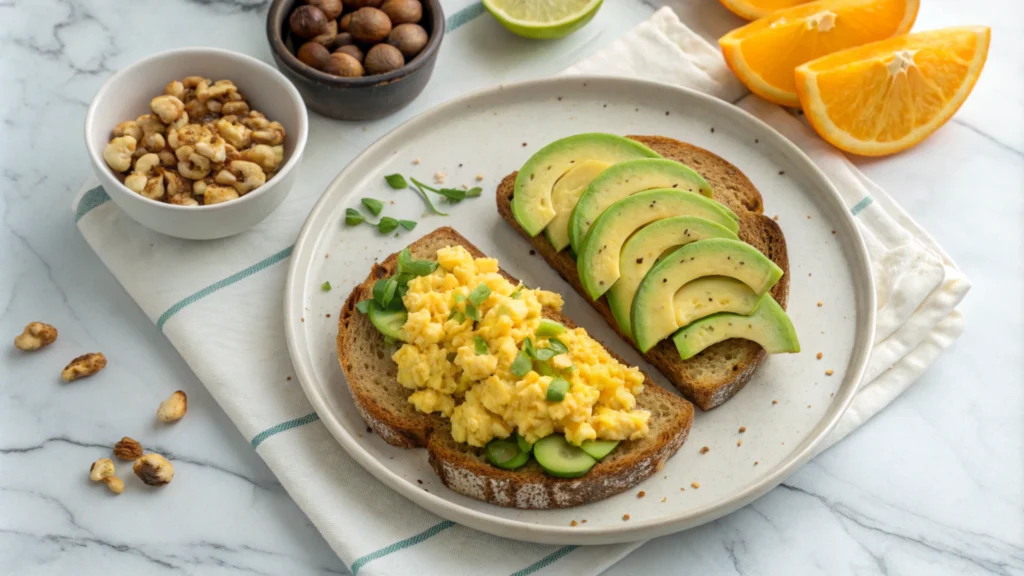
<point x="383" y="404"/>
<point x="720" y="371"/>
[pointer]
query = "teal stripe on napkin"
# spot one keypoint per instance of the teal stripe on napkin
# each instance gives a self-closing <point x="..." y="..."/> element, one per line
<point x="301" y="421"/>
<point x="261" y="265"/>
<point x="550" y="558"/>
<point x="90" y="200"/>
<point x="860" y="206"/>
<point x="464" y="16"/>
<point x="402" y="544"/>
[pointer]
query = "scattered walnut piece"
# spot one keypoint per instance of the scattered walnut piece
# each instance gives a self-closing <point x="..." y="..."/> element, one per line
<point x="820" y="303"/>
<point x="154" y="470"/>
<point x="128" y="449"/>
<point x="573" y="523"/>
<point x="624" y="516"/>
<point x="665" y="499"/>
<point x="705" y="450"/>
<point x="172" y="409"/>
<point x="584" y="521"/>
<point x="739" y="442"/>
<point x="84" y="365"/>
<point x="743" y="429"/>
<point x="417" y="161"/>
<point x="479" y="177"/>
<point x="774" y="402"/>
<point x="35" y="336"/>
<point x="829" y="372"/>
<point x="755" y="462"/>
<point x="641" y="494"/>
<point x="695" y="485"/>
<point x="818" y="356"/>
<point x="440" y="176"/>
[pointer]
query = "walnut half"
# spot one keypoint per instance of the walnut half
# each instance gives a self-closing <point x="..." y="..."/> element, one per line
<point x="128" y="449"/>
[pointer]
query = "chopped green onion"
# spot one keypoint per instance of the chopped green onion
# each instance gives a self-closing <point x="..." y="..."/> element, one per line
<point x="396" y="181"/>
<point x="457" y="316"/>
<point x="544" y="354"/>
<point x="544" y="369"/>
<point x="557" y="390"/>
<point x="481" y="344"/>
<point x="528" y="347"/>
<point x="557" y="345"/>
<point x="548" y="328"/>
<point x="378" y="290"/>
<point x="517" y="292"/>
<point x="325" y="287"/>
<point x="460" y="298"/>
<point x="363" y="306"/>
<point x="479" y="294"/>
<point x="387" y="225"/>
<point x="353" y="217"/>
<point x="522" y="365"/>
<point x="373" y="205"/>
<point x="389" y="292"/>
<point x="472" y="312"/>
<point x="407" y="224"/>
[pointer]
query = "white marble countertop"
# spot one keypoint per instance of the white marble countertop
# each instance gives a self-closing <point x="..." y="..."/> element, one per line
<point x="933" y="485"/>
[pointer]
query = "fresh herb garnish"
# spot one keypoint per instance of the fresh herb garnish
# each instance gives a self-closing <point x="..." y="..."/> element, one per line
<point x="363" y="306"/>
<point x="353" y="217"/>
<point x="474" y="192"/>
<point x="454" y="195"/>
<point x="407" y="224"/>
<point x="426" y="199"/>
<point x="479" y="294"/>
<point x="387" y="225"/>
<point x="396" y="181"/>
<point x="390" y="287"/>
<point x="378" y="290"/>
<point x="408" y="265"/>
<point x="325" y="287"/>
<point x="522" y="364"/>
<point x="480" y="344"/>
<point x="373" y="205"/>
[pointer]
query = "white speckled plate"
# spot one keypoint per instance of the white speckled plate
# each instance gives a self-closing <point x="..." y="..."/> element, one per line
<point x="788" y="407"/>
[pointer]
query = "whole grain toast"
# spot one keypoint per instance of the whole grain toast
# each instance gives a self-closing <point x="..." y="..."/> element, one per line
<point x="383" y="404"/>
<point x="720" y="371"/>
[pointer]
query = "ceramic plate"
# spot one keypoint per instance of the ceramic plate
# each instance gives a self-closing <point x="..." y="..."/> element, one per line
<point x="787" y="408"/>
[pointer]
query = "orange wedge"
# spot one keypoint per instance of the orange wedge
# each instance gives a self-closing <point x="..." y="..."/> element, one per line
<point x="885" y="97"/>
<point x="763" y="54"/>
<point x="754" y="9"/>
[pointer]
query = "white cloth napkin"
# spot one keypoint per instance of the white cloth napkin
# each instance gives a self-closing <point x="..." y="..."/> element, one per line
<point x="188" y="287"/>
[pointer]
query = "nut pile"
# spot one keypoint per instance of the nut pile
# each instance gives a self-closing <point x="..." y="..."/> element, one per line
<point x="359" y="37"/>
<point x="201" y="145"/>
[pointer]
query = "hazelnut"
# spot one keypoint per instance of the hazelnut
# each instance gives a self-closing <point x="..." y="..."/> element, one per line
<point x="369" y="26"/>
<point x="342" y="64"/>
<point x="307" y="21"/>
<point x="327" y="38"/>
<point x="172" y="409"/>
<point x="128" y="449"/>
<point x="357" y="4"/>
<point x="84" y="365"/>
<point x="35" y="336"/>
<point x="403" y="11"/>
<point x="154" y="470"/>
<point x="313" y="54"/>
<point x="330" y="8"/>
<point x="383" y="58"/>
<point x="343" y="39"/>
<point x="353" y="51"/>
<point x="409" y="39"/>
<point x="345" y="22"/>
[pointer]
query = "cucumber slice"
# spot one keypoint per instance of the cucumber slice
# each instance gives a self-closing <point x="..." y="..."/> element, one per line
<point x="599" y="448"/>
<point x="559" y="458"/>
<point x="523" y="444"/>
<point x="505" y="453"/>
<point x="388" y="322"/>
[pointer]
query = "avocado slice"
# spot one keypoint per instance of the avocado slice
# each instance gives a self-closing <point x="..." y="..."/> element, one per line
<point x="653" y="316"/>
<point x="532" y="204"/>
<point x="565" y="194"/>
<point x="627" y="178"/>
<point x="769" y="326"/>
<point x="645" y="247"/>
<point x="710" y="295"/>
<point x="598" y="261"/>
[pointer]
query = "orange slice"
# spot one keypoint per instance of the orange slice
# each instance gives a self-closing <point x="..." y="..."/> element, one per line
<point x="754" y="9"/>
<point x="763" y="54"/>
<point x="887" y="96"/>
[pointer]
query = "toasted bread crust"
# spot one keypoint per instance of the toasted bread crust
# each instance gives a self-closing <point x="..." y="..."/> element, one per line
<point x="742" y="356"/>
<point x="463" y="468"/>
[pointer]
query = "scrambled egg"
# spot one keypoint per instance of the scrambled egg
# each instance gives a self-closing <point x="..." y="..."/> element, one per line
<point x="441" y="363"/>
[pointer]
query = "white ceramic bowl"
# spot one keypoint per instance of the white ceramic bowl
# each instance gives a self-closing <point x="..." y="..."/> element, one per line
<point x="126" y="96"/>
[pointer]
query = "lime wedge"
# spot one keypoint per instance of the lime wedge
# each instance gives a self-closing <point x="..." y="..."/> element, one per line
<point x="543" y="19"/>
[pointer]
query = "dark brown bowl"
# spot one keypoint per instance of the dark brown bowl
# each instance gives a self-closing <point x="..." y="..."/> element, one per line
<point x="363" y="98"/>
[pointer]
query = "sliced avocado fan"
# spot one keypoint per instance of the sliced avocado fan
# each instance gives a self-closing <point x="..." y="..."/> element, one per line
<point x="768" y="325"/>
<point x="531" y="204"/>
<point x="645" y="248"/>
<point x="598" y="261"/>
<point x="653" y="315"/>
<point x="624" y="179"/>
<point x="565" y="194"/>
